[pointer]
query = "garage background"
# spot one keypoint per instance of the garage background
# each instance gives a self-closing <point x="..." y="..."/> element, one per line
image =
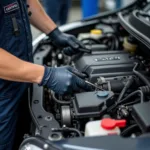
<point x="105" y="5"/>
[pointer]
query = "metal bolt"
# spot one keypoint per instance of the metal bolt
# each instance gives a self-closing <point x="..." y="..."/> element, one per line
<point x="48" y="118"/>
<point x="36" y="101"/>
<point x="55" y="137"/>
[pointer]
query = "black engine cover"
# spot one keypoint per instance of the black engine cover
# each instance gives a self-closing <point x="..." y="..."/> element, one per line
<point x="91" y="103"/>
<point x="105" y="64"/>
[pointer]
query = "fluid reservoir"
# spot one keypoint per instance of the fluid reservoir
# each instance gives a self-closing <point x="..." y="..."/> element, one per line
<point x="104" y="127"/>
<point x="130" y="44"/>
<point x="94" y="34"/>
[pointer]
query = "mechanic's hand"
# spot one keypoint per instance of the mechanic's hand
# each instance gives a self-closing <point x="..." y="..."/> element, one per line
<point x="68" y="42"/>
<point x="61" y="80"/>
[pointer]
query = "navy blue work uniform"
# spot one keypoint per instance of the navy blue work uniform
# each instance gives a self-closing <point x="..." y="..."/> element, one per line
<point x="15" y="37"/>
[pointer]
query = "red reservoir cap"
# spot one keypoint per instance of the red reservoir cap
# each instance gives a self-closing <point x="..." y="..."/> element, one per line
<point x="110" y="124"/>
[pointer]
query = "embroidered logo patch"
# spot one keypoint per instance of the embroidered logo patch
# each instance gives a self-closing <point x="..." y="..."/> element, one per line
<point x="11" y="7"/>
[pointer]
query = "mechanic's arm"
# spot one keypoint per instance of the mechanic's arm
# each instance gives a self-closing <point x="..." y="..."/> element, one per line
<point x="60" y="80"/>
<point x="40" y="20"/>
<point x="15" y="69"/>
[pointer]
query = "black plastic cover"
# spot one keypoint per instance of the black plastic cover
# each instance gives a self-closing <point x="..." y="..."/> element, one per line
<point x="106" y="64"/>
<point x="89" y="102"/>
<point x="141" y="114"/>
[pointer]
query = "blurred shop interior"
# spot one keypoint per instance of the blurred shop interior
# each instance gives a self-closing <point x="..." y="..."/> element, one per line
<point x="84" y="8"/>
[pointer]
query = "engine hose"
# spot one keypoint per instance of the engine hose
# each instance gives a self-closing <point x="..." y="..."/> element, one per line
<point x="114" y="85"/>
<point x="76" y="131"/>
<point x="145" y="90"/>
<point x="128" y="130"/>
<point x="59" y="101"/>
<point x="66" y="129"/>
<point x="126" y="87"/>
<point x="112" y="47"/>
<point x="131" y="95"/>
<point x="125" y="100"/>
<point x="141" y="76"/>
<point x="132" y="103"/>
<point x="116" y="42"/>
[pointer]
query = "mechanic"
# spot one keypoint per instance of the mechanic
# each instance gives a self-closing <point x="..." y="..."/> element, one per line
<point x="16" y="67"/>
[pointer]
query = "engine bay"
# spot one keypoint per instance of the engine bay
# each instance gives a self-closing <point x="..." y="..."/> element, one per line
<point x="118" y="66"/>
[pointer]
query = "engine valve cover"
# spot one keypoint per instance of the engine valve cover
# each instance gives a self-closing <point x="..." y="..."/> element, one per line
<point x="106" y="64"/>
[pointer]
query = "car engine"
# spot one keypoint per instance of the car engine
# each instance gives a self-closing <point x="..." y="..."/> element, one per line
<point x="118" y="66"/>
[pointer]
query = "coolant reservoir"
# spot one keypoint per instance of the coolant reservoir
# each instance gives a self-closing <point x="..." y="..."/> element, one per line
<point x="83" y="36"/>
<point x="94" y="34"/>
<point x="104" y="127"/>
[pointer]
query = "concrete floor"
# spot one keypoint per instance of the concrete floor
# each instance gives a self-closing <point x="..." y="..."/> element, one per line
<point x="75" y="14"/>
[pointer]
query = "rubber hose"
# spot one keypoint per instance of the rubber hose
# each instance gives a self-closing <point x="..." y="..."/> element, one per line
<point x="141" y="76"/>
<point x="59" y="101"/>
<point x="131" y="95"/>
<point x="129" y="129"/>
<point x="126" y="87"/>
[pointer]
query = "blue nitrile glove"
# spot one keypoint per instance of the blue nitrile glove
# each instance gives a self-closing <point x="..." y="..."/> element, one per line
<point x="61" y="80"/>
<point x="68" y="42"/>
